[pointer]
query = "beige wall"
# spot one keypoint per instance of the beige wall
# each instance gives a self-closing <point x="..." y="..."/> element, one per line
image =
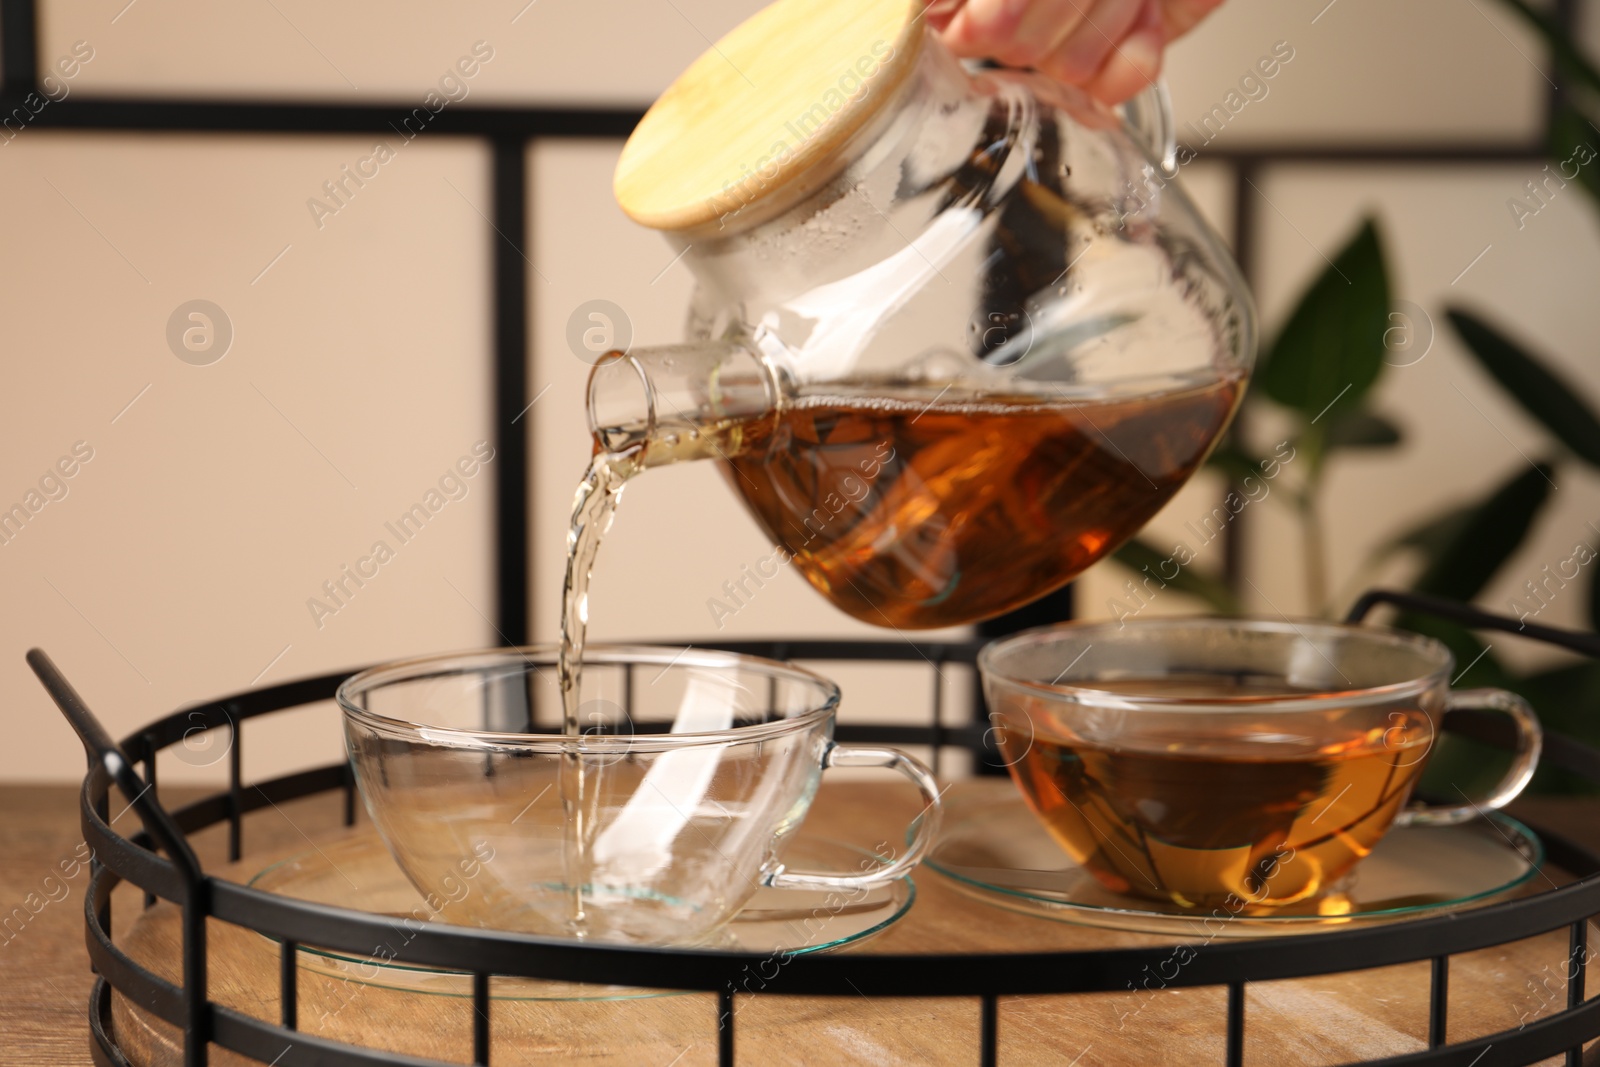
<point x="179" y="564"/>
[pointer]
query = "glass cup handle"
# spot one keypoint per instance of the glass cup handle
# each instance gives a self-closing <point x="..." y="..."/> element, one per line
<point x="926" y="824"/>
<point x="1530" y="739"/>
<point x="1149" y="115"/>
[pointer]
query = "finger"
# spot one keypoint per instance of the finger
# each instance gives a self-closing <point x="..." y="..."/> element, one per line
<point x="980" y="25"/>
<point x="1018" y="33"/>
<point x="1082" y="53"/>
<point x="1136" y="61"/>
<point x="1180" y="16"/>
<point x="938" y="13"/>
<point x="1046" y="24"/>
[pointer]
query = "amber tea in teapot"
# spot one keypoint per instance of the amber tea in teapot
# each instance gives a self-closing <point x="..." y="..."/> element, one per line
<point x="888" y="502"/>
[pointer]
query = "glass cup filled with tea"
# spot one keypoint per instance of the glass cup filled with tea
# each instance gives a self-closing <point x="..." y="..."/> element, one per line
<point x="1210" y="761"/>
<point x="652" y="823"/>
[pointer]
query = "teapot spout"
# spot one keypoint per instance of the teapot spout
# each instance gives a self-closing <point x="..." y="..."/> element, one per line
<point x="681" y="402"/>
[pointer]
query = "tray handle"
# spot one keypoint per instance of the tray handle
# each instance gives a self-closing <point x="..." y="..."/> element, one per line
<point x="107" y="754"/>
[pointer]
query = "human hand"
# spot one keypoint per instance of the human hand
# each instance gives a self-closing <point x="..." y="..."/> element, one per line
<point x="1110" y="48"/>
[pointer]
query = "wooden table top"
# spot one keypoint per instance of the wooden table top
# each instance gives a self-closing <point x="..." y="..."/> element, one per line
<point x="45" y="979"/>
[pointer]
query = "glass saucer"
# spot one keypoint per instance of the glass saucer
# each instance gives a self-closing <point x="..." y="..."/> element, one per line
<point x="993" y="848"/>
<point x="357" y="871"/>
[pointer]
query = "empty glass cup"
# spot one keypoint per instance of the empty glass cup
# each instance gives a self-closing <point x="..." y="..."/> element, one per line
<point x="652" y="826"/>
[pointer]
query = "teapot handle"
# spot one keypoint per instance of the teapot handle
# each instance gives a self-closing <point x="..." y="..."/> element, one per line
<point x="1149" y="116"/>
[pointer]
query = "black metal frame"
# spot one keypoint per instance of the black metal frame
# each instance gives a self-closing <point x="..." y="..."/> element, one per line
<point x="178" y="877"/>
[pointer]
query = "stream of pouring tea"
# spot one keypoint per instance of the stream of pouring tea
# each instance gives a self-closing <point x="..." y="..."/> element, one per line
<point x="593" y="508"/>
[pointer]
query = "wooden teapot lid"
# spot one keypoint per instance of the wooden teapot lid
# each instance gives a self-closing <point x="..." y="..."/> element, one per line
<point x="767" y="109"/>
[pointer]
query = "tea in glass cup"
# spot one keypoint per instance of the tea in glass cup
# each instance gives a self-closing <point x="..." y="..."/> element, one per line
<point x="1219" y="761"/>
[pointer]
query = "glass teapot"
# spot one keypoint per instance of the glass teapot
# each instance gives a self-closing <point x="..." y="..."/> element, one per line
<point x="956" y="334"/>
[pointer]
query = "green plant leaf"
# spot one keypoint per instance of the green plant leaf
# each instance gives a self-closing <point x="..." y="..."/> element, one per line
<point x="1361" y="429"/>
<point x="1545" y="395"/>
<point x="1574" y="140"/>
<point x="1145" y="559"/>
<point x="1568" y="56"/>
<point x="1432" y="536"/>
<point x="1331" y="349"/>
<point x="1594" y="595"/>
<point x="1564" y="699"/>
<point x="1490" y="535"/>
